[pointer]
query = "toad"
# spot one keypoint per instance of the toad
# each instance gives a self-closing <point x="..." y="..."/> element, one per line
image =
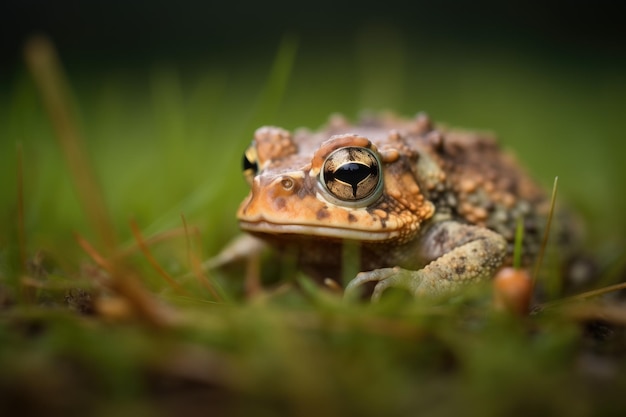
<point x="430" y="208"/>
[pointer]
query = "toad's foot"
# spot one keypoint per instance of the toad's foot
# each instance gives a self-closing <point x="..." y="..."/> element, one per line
<point x="418" y="283"/>
<point x="459" y="254"/>
<point x="386" y="278"/>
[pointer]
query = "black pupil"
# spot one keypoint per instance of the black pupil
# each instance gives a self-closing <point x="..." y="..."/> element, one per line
<point x="353" y="173"/>
<point x="247" y="164"/>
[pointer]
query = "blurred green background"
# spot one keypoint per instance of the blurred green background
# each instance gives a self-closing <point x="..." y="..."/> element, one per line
<point x="167" y="96"/>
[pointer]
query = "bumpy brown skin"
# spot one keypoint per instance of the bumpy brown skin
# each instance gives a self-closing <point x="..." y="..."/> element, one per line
<point x="447" y="214"/>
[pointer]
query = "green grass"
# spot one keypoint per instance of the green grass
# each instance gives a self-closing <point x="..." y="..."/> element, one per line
<point x="167" y="142"/>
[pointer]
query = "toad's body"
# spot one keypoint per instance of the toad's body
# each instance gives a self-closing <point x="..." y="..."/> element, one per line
<point x="430" y="208"/>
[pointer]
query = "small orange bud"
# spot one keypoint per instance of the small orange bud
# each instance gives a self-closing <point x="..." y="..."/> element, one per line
<point x="513" y="289"/>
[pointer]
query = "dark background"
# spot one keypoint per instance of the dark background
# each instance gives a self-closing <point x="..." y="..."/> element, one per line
<point x="136" y="32"/>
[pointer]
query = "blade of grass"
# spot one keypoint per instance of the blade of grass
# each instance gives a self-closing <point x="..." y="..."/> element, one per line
<point x="350" y="261"/>
<point x="546" y="234"/>
<point x="49" y="77"/>
<point x="169" y="109"/>
<point x="132" y="247"/>
<point x="274" y="89"/>
<point x="21" y="233"/>
<point x="27" y="292"/>
<point x="381" y="67"/>
<point x="128" y="286"/>
<point x="155" y="264"/>
<point x="195" y="263"/>
<point x="585" y="295"/>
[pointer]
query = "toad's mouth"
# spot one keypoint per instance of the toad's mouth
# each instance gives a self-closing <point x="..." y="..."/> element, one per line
<point x="307" y="230"/>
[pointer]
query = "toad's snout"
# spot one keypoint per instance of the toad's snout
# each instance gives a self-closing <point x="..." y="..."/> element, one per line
<point x="270" y="195"/>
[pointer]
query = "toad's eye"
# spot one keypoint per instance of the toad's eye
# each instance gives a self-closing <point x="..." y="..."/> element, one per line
<point x="250" y="164"/>
<point x="352" y="175"/>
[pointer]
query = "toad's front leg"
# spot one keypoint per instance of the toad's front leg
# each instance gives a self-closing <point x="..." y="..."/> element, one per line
<point x="454" y="254"/>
